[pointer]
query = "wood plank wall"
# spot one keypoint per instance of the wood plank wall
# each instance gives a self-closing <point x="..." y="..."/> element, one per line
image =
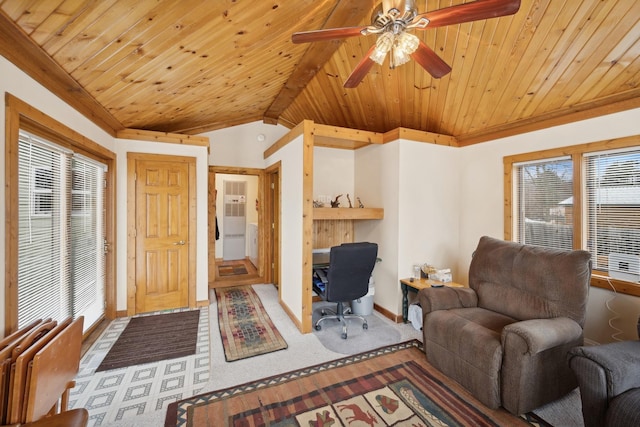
<point x="327" y="233"/>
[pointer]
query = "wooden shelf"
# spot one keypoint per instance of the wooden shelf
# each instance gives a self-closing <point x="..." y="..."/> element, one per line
<point x="347" y="213"/>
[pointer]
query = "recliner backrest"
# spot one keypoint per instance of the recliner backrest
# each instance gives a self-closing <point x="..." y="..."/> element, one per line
<point x="350" y="267"/>
<point x="530" y="282"/>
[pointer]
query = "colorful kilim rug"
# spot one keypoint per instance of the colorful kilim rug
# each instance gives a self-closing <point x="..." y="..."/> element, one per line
<point x="245" y="326"/>
<point x="390" y="386"/>
<point x="232" y="270"/>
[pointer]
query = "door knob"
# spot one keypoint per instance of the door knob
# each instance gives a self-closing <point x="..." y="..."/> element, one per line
<point x="181" y="242"/>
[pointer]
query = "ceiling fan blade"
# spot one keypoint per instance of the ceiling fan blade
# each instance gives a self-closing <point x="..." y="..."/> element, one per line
<point x="326" y="34"/>
<point x="361" y="70"/>
<point x="468" y="12"/>
<point x="430" y="61"/>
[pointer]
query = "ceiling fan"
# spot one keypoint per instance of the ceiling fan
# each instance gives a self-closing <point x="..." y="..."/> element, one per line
<point x="393" y="19"/>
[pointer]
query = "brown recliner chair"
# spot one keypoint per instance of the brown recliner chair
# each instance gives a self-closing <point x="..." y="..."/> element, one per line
<point x="505" y="338"/>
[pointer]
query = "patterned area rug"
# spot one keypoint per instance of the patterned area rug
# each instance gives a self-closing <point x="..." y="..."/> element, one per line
<point x="121" y="394"/>
<point x="153" y="338"/>
<point x="245" y="326"/>
<point x="232" y="270"/>
<point x="393" y="385"/>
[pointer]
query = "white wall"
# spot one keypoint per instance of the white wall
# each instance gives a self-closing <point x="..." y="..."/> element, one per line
<point x="416" y="183"/>
<point x="333" y="174"/>
<point x="124" y="146"/>
<point x="239" y="145"/>
<point x="291" y="201"/>
<point x="17" y="83"/>
<point x="482" y="200"/>
<point x="377" y="181"/>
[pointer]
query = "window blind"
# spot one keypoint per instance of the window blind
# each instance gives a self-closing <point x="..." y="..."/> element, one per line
<point x="61" y="229"/>
<point x="613" y="211"/>
<point x="544" y="203"/>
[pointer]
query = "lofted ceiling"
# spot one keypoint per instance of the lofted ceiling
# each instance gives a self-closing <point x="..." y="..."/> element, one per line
<point x="188" y="66"/>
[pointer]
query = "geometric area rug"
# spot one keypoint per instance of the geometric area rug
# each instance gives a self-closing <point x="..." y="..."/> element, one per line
<point x="245" y="327"/>
<point x="117" y="395"/>
<point x="392" y="385"/>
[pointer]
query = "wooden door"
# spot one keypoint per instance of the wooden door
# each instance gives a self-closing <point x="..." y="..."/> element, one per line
<point x="162" y="234"/>
<point x="273" y="223"/>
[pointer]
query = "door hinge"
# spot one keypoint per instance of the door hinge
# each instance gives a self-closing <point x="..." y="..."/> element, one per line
<point x="273" y="186"/>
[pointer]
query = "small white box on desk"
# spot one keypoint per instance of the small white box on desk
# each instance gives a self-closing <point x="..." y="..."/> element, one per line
<point x="443" y="275"/>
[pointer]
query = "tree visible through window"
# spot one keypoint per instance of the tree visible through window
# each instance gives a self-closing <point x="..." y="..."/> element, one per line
<point x="545" y="203"/>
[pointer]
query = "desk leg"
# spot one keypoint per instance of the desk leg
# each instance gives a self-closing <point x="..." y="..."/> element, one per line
<point x="405" y="302"/>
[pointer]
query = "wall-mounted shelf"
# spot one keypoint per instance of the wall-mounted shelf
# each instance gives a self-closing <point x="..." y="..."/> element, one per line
<point x="347" y="213"/>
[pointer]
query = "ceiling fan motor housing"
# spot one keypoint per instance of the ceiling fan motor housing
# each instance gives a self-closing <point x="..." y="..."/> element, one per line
<point x="393" y="19"/>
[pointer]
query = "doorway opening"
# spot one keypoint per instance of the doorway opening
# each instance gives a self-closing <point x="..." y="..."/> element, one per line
<point x="236" y="216"/>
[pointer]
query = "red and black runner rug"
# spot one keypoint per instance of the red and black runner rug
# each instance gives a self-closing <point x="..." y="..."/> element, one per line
<point x="245" y="327"/>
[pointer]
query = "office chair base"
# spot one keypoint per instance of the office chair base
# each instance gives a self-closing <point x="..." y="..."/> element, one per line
<point x="343" y="320"/>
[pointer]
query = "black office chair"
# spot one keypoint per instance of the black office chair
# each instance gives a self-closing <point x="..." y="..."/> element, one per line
<point x="350" y="267"/>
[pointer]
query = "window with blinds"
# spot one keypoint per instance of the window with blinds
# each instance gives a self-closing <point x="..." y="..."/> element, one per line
<point x="61" y="233"/>
<point x="612" y="180"/>
<point x="544" y="203"/>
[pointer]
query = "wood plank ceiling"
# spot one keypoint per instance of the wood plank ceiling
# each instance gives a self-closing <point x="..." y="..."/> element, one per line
<point x="193" y="66"/>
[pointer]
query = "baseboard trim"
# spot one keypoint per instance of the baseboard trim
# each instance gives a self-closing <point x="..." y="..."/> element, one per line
<point x="397" y="318"/>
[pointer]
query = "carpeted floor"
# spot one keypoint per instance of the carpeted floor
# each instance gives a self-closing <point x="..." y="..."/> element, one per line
<point x="303" y="351"/>
<point x="392" y="385"/>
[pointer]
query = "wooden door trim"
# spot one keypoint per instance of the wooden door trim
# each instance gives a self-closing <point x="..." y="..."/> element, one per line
<point x="132" y="159"/>
<point x="19" y="115"/>
<point x="272" y="240"/>
<point x="211" y="211"/>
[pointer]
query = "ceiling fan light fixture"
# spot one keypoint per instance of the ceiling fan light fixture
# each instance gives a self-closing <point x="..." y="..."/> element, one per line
<point x="404" y="45"/>
<point x="383" y="45"/>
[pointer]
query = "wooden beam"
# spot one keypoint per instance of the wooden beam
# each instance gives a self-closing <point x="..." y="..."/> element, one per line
<point x="18" y="48"/>
<point x="344" y="14"/>
<point x="307" y="225"/>
<point x="290" y="136"/>
<point x="171" y="138"/>
<point x="420" y="136"/>
<point x="339" y="137"/>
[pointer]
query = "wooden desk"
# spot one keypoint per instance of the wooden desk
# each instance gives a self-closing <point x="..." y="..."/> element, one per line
<point x="414" y="286"/>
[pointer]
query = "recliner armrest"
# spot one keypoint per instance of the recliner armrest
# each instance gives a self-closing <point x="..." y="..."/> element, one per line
<point x="446" y="298"/>
<point x="604" y="372"/>
<point x="543" y="334"/>
<point x="619" y="361"/>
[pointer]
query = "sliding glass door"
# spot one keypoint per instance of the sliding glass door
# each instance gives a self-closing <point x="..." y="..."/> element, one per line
<point x="61" y="233"/>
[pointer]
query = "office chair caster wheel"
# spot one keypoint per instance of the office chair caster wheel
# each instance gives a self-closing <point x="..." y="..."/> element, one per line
<point x="365" y="326"/>
<point x="344" y="336"/>
<point x="318" y="327"/>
